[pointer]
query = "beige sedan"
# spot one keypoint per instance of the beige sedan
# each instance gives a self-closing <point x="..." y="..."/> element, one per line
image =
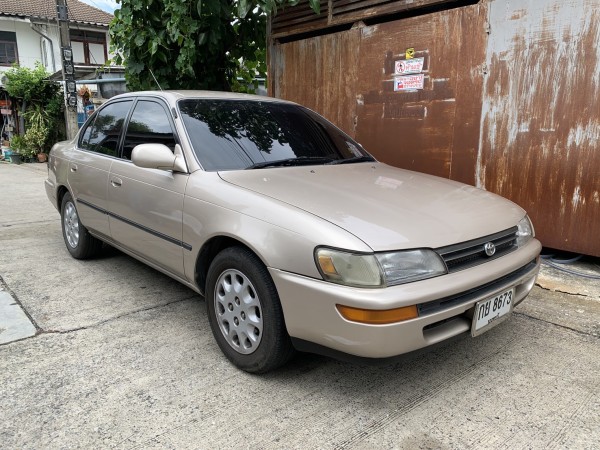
<point x="294" y="234"/>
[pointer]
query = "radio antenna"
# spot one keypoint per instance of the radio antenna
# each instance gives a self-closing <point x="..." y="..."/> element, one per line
<point x="157" y="83"/>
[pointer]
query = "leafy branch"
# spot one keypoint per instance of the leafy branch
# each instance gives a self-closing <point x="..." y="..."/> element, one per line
<point x="40" y="107"/>
<point x="194" y="44"/>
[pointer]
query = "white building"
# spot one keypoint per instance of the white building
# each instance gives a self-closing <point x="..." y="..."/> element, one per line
<point x="29" y="33"/>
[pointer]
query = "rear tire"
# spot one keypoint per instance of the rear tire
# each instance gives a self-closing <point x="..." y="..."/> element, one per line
<point x="80" y="243"/>
<point x="244" y="312"/>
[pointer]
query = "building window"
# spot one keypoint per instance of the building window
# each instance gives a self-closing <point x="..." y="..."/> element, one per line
<point x="8" y="48"/>
<point x="89" y="47"/>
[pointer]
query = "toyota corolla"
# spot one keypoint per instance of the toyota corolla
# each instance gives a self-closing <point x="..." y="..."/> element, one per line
<point x="297" y="237"/>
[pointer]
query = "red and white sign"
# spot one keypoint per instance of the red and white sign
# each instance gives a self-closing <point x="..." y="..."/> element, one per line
<point x="5" y="112"/>
<point x="409" y="82"/>
<point x="405" y="66"/>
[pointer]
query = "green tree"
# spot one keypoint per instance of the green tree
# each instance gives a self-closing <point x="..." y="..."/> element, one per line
<point x="27" y="84"/>
<point x="40" y="105"/>
<point x="193" y="44"/>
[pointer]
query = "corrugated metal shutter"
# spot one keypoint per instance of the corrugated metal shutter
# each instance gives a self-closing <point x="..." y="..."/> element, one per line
<point x="367" y="8"/>
<point x="302" y="19"/>
<point x="293" y="19"/>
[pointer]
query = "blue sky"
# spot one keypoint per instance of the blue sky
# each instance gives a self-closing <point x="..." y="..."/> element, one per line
<point x="105" y="5"/>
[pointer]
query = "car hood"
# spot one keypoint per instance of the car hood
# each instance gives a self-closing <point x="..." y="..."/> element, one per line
<point x="386" y="207"/>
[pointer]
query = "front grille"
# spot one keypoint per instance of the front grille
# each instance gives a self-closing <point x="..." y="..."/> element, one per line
<point x="472" y="253"/>
<point x="445" y="303"/>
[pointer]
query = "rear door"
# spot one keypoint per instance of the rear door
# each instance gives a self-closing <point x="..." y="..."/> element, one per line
<point x="146" y="205"/>
<point x="90" y="165"/>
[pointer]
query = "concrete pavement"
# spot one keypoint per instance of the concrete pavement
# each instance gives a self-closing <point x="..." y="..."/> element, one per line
<point x="14" y="323"/>
<point x="123" y="357"/>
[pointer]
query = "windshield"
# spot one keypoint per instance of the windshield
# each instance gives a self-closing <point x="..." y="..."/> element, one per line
<point x="241" y="134"/>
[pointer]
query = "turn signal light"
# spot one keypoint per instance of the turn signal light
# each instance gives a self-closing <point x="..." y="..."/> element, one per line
<point x="327" y="265"/>
<point x="378" y="316"/>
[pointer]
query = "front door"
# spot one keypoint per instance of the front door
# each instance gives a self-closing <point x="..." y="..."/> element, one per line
<point x="146" y="205"/>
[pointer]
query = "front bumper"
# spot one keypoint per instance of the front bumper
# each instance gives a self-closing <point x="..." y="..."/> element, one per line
<point x="445" y="305"/>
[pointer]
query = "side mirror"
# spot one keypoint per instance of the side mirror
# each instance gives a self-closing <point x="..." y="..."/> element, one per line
<point x="158" y="156"/>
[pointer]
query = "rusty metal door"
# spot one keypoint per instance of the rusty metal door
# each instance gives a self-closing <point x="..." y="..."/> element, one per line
<point x="320" y="73"/>
<point x="434" y="129"/>
<point x="540" y="139"/>
<point x="348" y="77"/>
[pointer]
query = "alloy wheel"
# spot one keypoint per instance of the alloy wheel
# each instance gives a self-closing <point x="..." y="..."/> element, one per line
<point x="71" y="224"/>
<point x="238" y="311"/>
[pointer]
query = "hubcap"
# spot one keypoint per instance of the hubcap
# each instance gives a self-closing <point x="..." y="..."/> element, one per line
<point x="238" y="311"/>
<point x="71" y="224"/>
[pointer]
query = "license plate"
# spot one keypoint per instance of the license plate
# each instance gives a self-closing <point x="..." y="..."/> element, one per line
<point x="492" y="311"/>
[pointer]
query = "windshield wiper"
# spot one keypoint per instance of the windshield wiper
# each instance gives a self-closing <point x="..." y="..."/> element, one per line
<point x="356" y="159"/>
<point x="301" y="161"/>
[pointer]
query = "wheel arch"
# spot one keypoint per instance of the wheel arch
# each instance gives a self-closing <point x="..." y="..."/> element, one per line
<point x="209" y="251"/>
<point x="60" y="193"/>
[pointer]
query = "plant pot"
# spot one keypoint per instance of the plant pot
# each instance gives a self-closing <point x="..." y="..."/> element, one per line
<point x="15" y="158"/>
<point x="42" y="157"/>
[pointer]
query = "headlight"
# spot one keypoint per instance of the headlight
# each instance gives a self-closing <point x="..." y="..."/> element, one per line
<point x="351" y="269"/>
<point x="524" y="231"/>
<point x="378" y="270"/>
<point x="412" y="265"/>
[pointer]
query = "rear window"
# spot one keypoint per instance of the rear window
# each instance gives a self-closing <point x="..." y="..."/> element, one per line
<point x="102" y="135"/>
<point x="237" y="134"/>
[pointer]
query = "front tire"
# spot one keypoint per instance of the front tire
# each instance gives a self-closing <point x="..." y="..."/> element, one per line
<point x="245" y="313"/>
<point x="80" y="243"/>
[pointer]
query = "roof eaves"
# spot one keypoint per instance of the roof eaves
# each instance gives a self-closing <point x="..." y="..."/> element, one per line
<point x="21" y="16"/>
<point x="96" y="24"/>
<point x="53" y="19"/>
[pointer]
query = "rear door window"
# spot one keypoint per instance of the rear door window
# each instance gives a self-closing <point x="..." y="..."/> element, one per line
<point x="102" y="136"/>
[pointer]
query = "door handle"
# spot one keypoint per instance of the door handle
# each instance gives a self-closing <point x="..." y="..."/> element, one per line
<point x="73" y="167"/>
<point x="116" y="182"/>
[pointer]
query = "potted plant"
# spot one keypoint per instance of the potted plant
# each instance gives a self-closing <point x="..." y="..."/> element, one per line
<point x="17" y="146"/>
<point x="37" y="132"/>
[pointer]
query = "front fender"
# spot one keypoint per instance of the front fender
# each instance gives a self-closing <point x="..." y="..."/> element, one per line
<point x="282" y="236"/>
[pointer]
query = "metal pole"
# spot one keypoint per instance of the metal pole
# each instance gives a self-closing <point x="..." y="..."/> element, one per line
<point x="67" y="68"/>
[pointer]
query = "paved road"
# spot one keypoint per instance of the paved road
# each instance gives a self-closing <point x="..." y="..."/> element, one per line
<point x="124" y="358"/>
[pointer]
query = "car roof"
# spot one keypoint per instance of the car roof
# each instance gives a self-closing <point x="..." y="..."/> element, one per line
<point x="173" y="96"/>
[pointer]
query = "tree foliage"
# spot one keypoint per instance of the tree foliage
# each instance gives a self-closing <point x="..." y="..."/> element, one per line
<point x="40" y="104"/>
<point x="29" y="85"/>
<point x="193" y="44"/>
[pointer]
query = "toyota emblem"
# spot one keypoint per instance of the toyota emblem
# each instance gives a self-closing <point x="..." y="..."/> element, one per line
<point x="489" y="248"/>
